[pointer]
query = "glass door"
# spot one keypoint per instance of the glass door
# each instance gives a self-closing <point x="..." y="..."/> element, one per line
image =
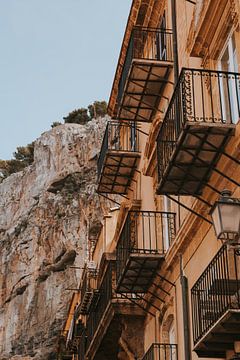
<point x="172" y="340"/>
<point x="161" y="41"/>
<point x="133" y="140"/>
<point x="229" y="84"/>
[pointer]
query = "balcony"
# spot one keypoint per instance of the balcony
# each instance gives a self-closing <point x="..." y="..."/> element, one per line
<point x="216" y="305"/>
<point x="73" y="338"/>
<point x="161" y="352"/>
<point x="196" y="129"/>
<point x="106" y="295"/>
<point x="118" y="158"/>
<point x="143" y="241"/>
<point x="145" y="73"/>
<point x="103" y="327"/>
<point x="89" y="292"/>
<point x="82" y="344"/>
<point x="63" y="353"/>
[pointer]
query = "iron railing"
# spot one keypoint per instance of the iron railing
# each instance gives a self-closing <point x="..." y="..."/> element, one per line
<point x="85" y="286"/>
<point x="88" y="281"/>
<point x="144" y="232"/>
<point x="88" y="287"/>
<point x="74" y="341"/>
<point x="146" y="44"/>
<point x="105" y="297"/>
<point x="118" y="137"/>
<point x="82" y="345"/>
<point x="216" y="291"/>
<point x="161" y="352"/>
<point x="200" y="96"/>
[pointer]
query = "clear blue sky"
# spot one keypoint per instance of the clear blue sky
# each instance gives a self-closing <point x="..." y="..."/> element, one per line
<point x="56" y="56"/>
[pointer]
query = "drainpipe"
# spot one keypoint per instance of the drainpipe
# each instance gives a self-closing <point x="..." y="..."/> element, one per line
<point x="175" y="43"/>
<point x="175" y="66"/>
<point x="185" y="309"/>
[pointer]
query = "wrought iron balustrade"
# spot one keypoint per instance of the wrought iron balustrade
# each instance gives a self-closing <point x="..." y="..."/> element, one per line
<point x="144" y="233"/>
<point x="82" y="344"/>
<point x="105" y="297"/>
<point x="74" y="336"/>
<point x="89" y="291"/>
<point x="216" y="291"/>
<point x="204" y="105"/>
<point x="146" y="44"/>
<point x="161" y="352"/>
<point x="118" y="137"/>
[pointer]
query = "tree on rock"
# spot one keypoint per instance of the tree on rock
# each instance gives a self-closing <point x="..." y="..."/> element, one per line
<point x="55" y="124"/>
<point x="79" y="116"/>
<point x="82" y="116"/>
<point x="97" y="109"/>
<point x="23" y="156"/>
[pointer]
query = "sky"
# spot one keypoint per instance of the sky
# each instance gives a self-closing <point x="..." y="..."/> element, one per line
<point x="56" y="56"/>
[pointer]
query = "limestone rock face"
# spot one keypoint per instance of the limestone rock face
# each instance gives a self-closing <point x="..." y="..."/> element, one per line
<point x="47" y="213"/>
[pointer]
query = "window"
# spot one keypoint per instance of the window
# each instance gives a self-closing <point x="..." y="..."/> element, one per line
<point x="133" y="136"/>
<point x="161" y="40"/>
<point x="172" y="340"/>
<point x="230" y="85"/>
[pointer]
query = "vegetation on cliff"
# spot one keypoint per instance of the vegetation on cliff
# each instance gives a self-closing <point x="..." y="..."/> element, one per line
<point x="24" y="155"/>
<point x="83" y="115"/>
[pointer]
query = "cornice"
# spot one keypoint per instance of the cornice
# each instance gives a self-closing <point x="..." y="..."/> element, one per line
<point x="209" y="32"/>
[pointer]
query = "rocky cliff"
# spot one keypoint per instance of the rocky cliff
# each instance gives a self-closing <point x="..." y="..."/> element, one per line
<point x="47" y="213"/>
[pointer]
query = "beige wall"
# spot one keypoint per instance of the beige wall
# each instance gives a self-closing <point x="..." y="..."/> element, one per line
<point x="195" y="240"/>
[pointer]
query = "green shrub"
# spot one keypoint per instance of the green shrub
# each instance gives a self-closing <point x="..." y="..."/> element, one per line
<point x="83" y="115"/>
<point x="98" y="108"/>
<point x="55" y="123"/>
<point x="23" y="156"/>
<point x="79" y="116"/>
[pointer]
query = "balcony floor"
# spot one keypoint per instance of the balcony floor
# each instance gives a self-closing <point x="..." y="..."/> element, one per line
<point x="143" y="89"/>
<point x="221" y="336"/>
<point x="139" y="272"/>
<point x="193" y="157"/>
<point x="117" y="172"/>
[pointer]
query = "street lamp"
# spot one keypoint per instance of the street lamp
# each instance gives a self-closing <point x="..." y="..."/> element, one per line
<point x="226" y="218"/>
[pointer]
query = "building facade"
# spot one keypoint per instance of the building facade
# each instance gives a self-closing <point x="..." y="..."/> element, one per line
<point x="159" y="283"/>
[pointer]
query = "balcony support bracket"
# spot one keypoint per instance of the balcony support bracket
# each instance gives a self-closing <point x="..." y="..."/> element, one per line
<point x="164" y="279"/>
<point x="189" y="209"/>
<point x="136" y="303"/>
